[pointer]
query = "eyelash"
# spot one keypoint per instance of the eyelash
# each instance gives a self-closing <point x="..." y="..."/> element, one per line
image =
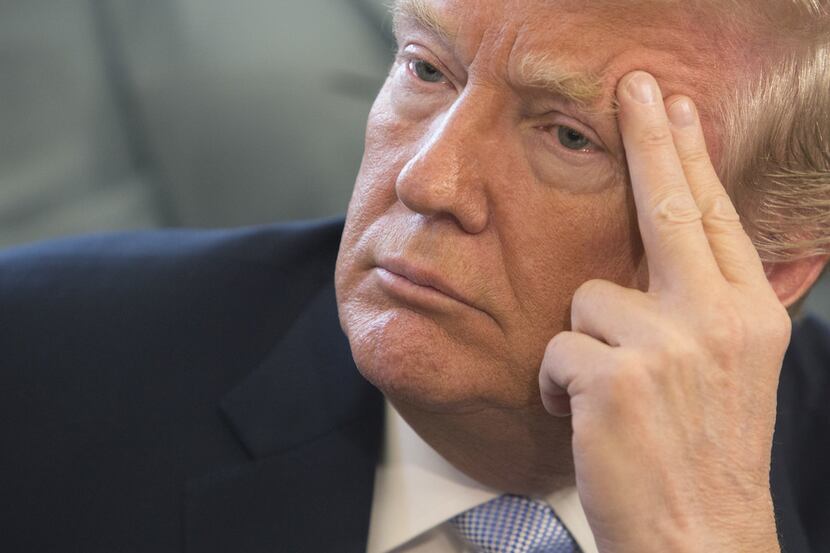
<point x="410" y="60"/>
<point x="552" y="130"/>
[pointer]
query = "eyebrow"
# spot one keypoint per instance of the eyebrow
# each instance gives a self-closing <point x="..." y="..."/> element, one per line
<point x="535" y="71"/>
<point x="551" y="75"/>
<point x="423" y="15"/>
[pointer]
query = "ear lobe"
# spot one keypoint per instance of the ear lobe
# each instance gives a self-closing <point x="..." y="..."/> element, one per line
<point x="791" y="280"/>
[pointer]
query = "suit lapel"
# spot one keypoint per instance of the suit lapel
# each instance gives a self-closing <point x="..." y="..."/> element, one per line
<point x="312" y="426"/>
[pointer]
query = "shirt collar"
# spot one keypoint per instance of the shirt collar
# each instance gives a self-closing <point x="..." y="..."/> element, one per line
<point x="416" y="489"/>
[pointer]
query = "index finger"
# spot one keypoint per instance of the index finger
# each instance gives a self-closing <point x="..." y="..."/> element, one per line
<point x="669" y="219"/>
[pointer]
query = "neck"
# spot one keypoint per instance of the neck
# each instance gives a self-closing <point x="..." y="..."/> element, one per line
<point x="525" y="452"/>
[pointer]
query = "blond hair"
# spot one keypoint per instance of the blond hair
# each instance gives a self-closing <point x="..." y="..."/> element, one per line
<point x="776" y="133"/>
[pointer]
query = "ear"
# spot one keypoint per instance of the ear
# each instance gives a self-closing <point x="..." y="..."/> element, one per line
<point x="791" y="280"/>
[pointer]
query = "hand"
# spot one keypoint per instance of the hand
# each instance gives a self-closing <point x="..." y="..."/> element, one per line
<point x="673" y="391"/>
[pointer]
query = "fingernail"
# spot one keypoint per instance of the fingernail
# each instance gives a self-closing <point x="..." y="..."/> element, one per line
<point x="642" y="88"/>
<point x="682" y="113"/>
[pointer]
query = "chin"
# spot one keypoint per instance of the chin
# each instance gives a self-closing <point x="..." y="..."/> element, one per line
<point x="412" y="359"/>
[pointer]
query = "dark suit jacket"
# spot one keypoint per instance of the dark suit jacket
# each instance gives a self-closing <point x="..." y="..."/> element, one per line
<point x="192" y="391"/>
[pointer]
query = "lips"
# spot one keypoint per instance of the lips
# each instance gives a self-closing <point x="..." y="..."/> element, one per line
<point x="422" y="276"/>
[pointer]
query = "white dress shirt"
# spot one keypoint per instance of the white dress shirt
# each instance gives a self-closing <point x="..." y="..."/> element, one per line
<point x="417" y="491"/>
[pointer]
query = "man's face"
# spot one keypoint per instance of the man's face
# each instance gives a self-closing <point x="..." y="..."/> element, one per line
<point x="493" y="185"/>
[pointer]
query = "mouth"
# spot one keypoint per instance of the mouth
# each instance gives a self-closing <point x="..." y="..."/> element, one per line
<point x="416" y="284"/>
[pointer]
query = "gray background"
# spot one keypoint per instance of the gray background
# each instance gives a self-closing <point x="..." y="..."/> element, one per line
<point x="128" y="114"/>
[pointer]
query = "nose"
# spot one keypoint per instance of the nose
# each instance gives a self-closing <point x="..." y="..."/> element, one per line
<point x="446" y="177"/>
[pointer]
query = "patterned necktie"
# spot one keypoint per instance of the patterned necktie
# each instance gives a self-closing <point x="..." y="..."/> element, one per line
<point x="514" y="524"/>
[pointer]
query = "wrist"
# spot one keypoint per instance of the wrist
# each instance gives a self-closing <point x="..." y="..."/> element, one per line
<point x="744" y="530"/>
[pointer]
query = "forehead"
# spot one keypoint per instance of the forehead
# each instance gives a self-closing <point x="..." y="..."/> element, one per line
<point x="681" y="48"/>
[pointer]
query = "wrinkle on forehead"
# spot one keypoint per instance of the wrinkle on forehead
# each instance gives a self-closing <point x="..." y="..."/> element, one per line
<point x="683" y="47"/>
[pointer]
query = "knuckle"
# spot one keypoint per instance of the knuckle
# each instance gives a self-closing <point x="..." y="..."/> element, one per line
<point x="677" y="350"/>
<point x="655" y="137"/>
<point x="778" y="327"/>
<point x="719" y="207"/>
<point x="556" y="345"/>
<point x="729" y="330"/>
<point x="784" y="322"/>
<point x="588" y="292"/>
<point x="677" y="208"/>
<point x="721" y="331"/>
<point x="625" y="378"/>
<point x="726" y="326"/>
<point x="629" y="365"/>
<point x="671" y="345"/>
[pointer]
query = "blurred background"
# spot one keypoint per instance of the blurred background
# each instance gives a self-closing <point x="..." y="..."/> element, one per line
<point x="127" y="114"/>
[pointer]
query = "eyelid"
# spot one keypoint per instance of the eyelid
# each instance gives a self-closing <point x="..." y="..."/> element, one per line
<point x="409" y="63"/>
<point x="422" y="54"/>
<point x="563" y="120"/>
<point x="579" y="156"/>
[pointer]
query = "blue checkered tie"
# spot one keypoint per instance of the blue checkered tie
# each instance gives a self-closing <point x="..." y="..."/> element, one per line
<point x="514" y="524"/>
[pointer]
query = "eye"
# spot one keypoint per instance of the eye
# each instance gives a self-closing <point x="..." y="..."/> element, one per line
<point x="426" y="71"/>
<point x="571" y="139"/>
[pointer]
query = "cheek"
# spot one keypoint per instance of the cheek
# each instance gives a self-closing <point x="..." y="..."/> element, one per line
<point x="395" y="130"/>
<point x="388" y="146"/>
<point x="575" y="239"/>
<point x="374" y="188"/>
